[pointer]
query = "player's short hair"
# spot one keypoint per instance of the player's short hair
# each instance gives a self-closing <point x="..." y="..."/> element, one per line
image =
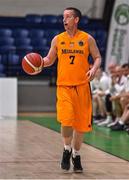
<point x="77" y="12"/>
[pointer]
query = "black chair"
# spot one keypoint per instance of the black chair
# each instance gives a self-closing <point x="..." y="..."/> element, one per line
<point x="25" y="41"/>
<point x="2" y="69"/>
<point x="5" y="32"/>
<point x="3" y="74"/>
<point x="33" y="18"/>
<point x="42" y="50"/>
<point x="7" y="49"/>
<point x="92" y="33"/>
<point x="20" y="33"/>
<point x="101" y="34"/>
<point x="14" y="71"/>
<point x="13" y="59"/>
<point x="23" y="50"/>
<point x="10" y="61"/>
<point x="39" y="42"/>
<point x="84" y="21"/>
<point x="101" y="38"/>
<point x="52" y="19"/>
<point x="36" y="33"/>
<point x="50" y="33"/>
<point x="0" y="59"/>
<point x="60" y="19"/>
<point x="6" y="41"/>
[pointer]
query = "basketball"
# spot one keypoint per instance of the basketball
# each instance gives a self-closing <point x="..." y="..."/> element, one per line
<point x="32" y="63"/>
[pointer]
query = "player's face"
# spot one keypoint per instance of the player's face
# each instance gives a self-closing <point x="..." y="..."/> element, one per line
<point x="69" y="19"/>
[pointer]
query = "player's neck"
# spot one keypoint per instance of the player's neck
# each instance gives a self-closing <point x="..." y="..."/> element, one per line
<point x="72" y="33"/>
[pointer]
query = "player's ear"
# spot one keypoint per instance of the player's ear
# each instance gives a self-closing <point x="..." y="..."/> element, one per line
<point x="77" y="20"/>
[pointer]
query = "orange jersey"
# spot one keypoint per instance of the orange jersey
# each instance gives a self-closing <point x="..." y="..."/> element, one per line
<point x="72" y="58"/>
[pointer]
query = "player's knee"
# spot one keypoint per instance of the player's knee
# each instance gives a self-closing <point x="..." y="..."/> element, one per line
<point x="66" y="131"/>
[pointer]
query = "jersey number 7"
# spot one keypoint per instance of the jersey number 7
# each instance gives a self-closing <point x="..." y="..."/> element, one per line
<point x="72" y="59"/>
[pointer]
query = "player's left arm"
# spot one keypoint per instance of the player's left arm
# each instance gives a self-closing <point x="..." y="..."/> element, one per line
<point x="94" y="51"/>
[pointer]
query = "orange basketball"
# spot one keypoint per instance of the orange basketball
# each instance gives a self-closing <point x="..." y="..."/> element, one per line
<point x="32" y="63"/>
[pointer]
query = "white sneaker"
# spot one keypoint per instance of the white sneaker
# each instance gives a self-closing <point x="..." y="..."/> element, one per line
<point x="98" y="121"/>
<point x="107" y="121"/>
<point x="112" y="123"/>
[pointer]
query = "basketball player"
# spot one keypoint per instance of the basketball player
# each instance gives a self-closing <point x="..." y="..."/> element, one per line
<point x="74" y="105"/>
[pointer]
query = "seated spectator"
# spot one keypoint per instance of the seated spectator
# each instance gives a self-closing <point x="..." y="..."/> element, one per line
<point x="98" y="85"/>
<point x="107" y="94"/>
<point x="120" y="99"/>
<point x="113" y="105"/>
<point x="123" y="120"/>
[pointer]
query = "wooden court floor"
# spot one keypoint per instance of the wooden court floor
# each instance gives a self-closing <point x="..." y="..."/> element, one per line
<point x="30" y="151"/>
